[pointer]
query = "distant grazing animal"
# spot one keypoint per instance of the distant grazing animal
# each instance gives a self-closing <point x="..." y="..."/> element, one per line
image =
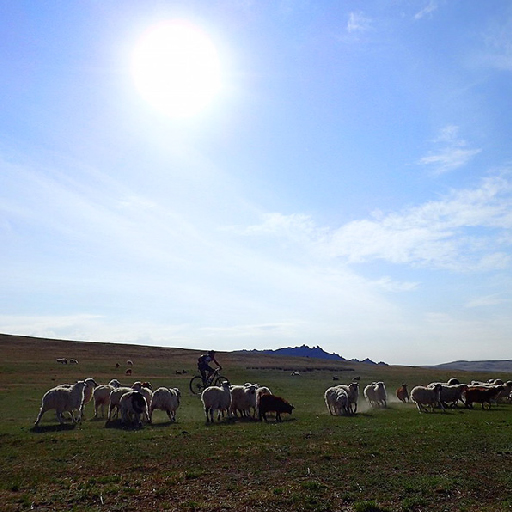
<point x="402" y="393"/>
<point x="62" y="360"/>
<point x="73" y="361"/>
<point x="216" y="398"/>
<point x="128" y="371"/>
<point x="129" y="362"/>
<point x="295" y="374"/>
<point x="117" y="365"/>
<point x="453" y="381"/>
<point x="427" y="398"/>
<point x="481" y="395"/>
<point x="63" y="399"/>
<point x="165" y="399"/>
<point x="133" y="405"/>
<point x="276" y="404"/>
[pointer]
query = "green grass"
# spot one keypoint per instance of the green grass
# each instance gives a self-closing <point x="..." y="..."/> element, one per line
<point x="379" y="460"/>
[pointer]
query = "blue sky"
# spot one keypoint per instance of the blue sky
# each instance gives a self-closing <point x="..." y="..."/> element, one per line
<point x="349" y="185"/>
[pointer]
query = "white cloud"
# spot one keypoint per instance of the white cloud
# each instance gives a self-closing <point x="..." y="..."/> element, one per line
<point x="357" y="22"/>
<point x="465" y="231"/>
<point x="452" y="154"/>
<point x="486" y="301"/>
<point x="498" y="41"/>
<point x="427" y="10"/>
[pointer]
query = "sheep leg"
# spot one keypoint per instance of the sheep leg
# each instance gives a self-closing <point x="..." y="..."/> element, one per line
<point x="39" y="416"/>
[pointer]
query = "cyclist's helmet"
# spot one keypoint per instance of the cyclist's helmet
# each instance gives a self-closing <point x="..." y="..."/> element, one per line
<point x="211" y="352"/>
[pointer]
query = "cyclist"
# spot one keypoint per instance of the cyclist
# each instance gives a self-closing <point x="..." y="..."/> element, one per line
<point x="203" y="366"/>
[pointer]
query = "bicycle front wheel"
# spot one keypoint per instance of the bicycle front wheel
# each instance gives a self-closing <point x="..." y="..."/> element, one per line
<point x="196" y="385"/>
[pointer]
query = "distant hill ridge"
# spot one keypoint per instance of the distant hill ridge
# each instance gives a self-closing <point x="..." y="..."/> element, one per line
<point x="492" y="365"/>
<point x="305" y="351"/>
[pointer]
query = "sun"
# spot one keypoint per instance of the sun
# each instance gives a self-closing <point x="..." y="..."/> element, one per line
<point x="176" y="68"/>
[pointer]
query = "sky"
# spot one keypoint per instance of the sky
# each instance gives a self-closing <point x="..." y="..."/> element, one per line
<point x="347" y="185"/>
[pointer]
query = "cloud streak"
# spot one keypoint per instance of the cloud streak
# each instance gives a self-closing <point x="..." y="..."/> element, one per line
<point x="452" y="154"/>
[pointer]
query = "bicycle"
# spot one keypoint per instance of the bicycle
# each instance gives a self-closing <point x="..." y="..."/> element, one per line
<point x="197" y="386"/>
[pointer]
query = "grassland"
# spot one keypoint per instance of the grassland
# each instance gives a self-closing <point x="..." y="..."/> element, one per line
<point x="390" y="459"/>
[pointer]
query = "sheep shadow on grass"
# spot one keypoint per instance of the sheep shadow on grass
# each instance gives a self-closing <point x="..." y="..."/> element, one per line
<point x="118" y="424"/>
<point x="43" y="429"/>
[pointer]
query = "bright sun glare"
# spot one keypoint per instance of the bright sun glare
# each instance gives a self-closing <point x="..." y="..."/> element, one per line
<point x="176" y="68"/>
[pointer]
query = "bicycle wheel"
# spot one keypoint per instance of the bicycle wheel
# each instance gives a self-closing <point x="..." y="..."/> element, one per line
<point x="219" y="380"/>
<point x="196" y="385"/>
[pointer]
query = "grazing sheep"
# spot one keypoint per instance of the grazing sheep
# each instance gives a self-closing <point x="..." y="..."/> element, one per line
<point x="115" y="398"/>
<point x="128" y="372"/>
<point x="73" y="361"/>
<point x="62" y="360"/>
<point x="402" y="393"/>
<point x="216" y="398"/>
<point x="146" y="389"/>
<point x="165" y="399"/>
<point x="101" y="396"/>
<point x="63" y="398"/>
<point x="453" y="381"/>
<point x="375" y="393"/>
<point x="133" y="405"/>
<point x="243" y="399"/>
<point x="129" y="362"/>
<point x="425" y="398"/>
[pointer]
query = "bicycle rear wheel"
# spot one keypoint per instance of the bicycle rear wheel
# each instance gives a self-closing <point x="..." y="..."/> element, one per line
<point x="219" y="380"/>
<point x="196" y="385"/>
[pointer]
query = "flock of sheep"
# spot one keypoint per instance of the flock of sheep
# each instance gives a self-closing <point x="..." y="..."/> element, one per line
<point x="342" y="399"/>
<point x="137" y="403"/>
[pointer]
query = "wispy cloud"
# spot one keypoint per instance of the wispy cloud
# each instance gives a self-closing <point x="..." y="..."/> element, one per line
<point x="427" y="10"/>
<point x="498" y="46"/>
<point x="453" y="152"/>
<point x="486" y="301"/>
<point x="358" y="22"/>
<point x="465" y="231"/>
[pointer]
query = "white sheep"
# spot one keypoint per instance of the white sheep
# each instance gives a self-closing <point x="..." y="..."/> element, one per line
<point x="352" y="391"/>
<point x="337" y="401"/>
<point x="260" y="391"/>
<point x="132" y="405"/>
<point x="329" y="395"/>
<point x="115" y="399"/>
<point x="425" y="397"/>
<point x="375" y="393"/>
<point x="63" y="399"/>
<point x="216" y="398"/>
<point x="116" y="394"/>
<point x="450" y="394"/>
<point x="243" y="399"/>
<point x="101" y="396"/>
<point x="147" y="392"/>
<point x="165" y="399"/>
